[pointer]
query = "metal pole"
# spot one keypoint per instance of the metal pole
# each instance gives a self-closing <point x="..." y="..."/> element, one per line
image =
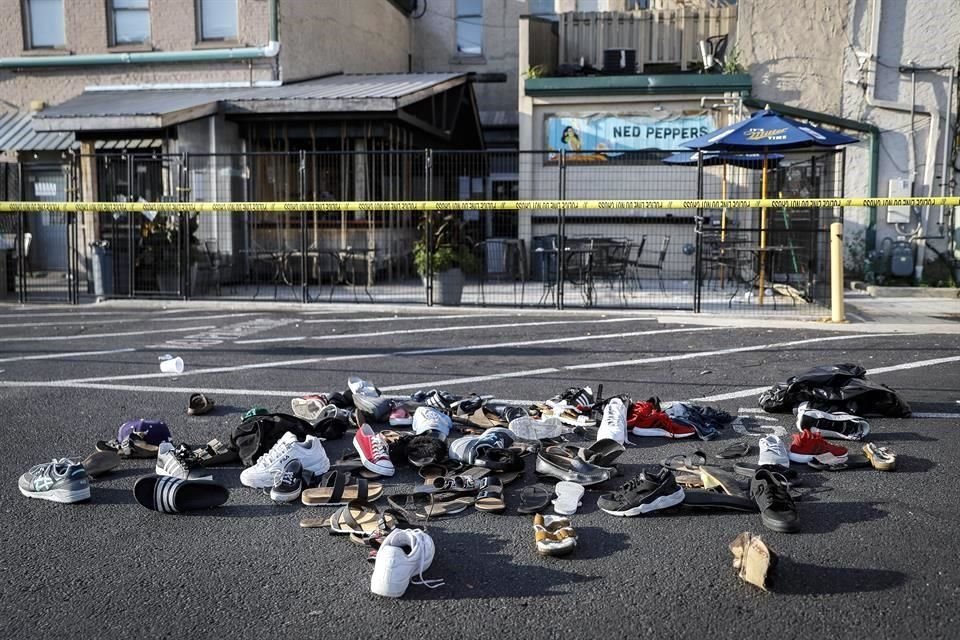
<point x="698" y="236"/>
<point x="428" y="227"/>
<point x="131" y="258"/>
<point x="763" y="233"/>
<point x="947" y="125"/>
<point x="836" y="273"/>
<point x="184" y="250"/>
<point x="304" y="292"/>
<point x="561" y="229"/>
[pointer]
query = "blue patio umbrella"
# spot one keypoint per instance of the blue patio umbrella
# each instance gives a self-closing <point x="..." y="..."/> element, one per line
<point x="763" y="132"/>
<point x="744" y="160"/>
<point x="767" y="130"/>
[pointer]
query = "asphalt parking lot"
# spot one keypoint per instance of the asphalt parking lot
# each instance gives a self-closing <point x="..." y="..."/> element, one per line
<point x="876" y="557"/>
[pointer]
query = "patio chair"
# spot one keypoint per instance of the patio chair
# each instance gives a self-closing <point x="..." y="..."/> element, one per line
<point x="503" y="260"/>
<point x="658" y="266"/>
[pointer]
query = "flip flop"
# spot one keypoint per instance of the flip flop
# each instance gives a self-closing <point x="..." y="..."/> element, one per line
<point x="199" y="405"/>
<point x="534" y="499"/>
<point x="431" y="505"/>
<point x="715" y="500"/>
<point x="734" y="450"/>
<point x="100" y="463"/>
<point x="689" y="463"/>
<point x="601" y="453"/>
<point x="359" y="518"/>
<point x="336" y="489"/>
<point x="490" y="497"/>
<point x="568" y="497"/>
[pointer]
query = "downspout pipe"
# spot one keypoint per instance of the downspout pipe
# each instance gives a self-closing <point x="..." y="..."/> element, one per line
<point x="269" y="50"/>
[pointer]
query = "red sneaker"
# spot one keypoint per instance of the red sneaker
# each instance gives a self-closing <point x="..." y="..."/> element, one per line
<point x="645" y="419"/>
<point x="806" y="445"/>
<point x="373" y="451"/>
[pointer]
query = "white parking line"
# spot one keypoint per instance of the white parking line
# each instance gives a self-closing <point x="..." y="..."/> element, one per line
<point x="753" y="391"/>
<point x="472" y="327"/>
<point x="623" y="363"/>
<point x="148" y="389"/>
<point x="401" y="317"/>
<point x="86" y="336"/>
<point x="75" y="354"/>
<point x="67" y="323"/>
<point x="387" y="354"/>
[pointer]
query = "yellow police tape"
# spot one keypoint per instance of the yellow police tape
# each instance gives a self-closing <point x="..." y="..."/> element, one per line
<point x="457" y="205"/>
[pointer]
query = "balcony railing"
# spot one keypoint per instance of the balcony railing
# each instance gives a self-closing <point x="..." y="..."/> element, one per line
<point x="664" y="39"/>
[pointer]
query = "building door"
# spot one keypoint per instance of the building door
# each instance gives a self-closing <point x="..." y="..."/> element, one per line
<point x="47" y="250"/>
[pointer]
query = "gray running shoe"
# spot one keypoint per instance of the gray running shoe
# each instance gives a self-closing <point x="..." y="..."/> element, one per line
<point x="58" y="481"/>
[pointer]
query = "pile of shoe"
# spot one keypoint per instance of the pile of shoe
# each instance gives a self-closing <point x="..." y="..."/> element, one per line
<point x="465" y="450"/>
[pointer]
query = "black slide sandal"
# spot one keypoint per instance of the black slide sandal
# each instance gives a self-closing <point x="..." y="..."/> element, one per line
<point x="534" y="499"/>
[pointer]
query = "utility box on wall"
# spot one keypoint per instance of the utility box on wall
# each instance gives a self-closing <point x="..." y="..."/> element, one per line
<point x="898" y="188"/>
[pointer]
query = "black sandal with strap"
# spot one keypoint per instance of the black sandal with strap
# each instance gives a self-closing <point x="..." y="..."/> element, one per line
<point x="336" y="489"/>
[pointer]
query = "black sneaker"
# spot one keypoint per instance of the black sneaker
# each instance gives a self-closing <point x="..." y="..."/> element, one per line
<point x="650" y="491"/>
<point x="288" y="483"/>
<point x="771" y="492"/>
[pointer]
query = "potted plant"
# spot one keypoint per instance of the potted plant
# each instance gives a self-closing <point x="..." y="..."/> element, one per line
<point x="159" y="250"/>
<point x="452" y="257"/>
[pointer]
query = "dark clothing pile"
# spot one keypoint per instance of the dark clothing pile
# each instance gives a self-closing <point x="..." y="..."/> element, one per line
<point x="838" y="387"/>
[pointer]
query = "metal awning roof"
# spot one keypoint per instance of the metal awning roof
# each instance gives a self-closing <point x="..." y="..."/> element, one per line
<point x="17" y="134"/>
<point x="118" y="110"/>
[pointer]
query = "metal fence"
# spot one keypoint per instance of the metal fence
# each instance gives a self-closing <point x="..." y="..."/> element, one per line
<point x="725" y="260"/>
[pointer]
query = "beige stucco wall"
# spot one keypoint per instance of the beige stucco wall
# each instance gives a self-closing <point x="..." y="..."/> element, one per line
<point x="317" y="37"/>
<point x="354" y="36"/>
<point x="795" y="55"/>
<point x="172" y="28"/>
<point x="435" y="48"/>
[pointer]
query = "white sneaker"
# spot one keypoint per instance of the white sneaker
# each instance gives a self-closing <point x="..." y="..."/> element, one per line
<point x="361" y="386"/>
<point x="310" y="453"/>
<point x="613" y="426"/>
<point x="773" y="452"/>
<point x="429" y="419"/>
<point x="403" y="554"/>
<point x="169" y="464"/>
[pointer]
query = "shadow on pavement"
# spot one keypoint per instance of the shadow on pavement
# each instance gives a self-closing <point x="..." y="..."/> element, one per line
<point x="800" y="578"/>
<point x="822" y="517"/>
<point x="478" y="566"/>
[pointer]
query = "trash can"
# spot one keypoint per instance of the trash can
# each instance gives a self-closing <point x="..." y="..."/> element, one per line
<point x="102" y="269"/>
<point x="544" y="262"/>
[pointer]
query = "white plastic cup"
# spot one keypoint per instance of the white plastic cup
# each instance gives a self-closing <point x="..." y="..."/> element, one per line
<point x="173" y="365"/>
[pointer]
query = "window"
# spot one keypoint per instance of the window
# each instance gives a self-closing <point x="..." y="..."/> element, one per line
<point x="43" y="24"/>
<point x="542" y="8"/>
<point x="130" y="21"/>
<point x="470" y="27"/>
<point x="217" y="19"/>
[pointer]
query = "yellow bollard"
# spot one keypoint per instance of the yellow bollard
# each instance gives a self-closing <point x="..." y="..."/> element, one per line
<point x="836" y="273"/>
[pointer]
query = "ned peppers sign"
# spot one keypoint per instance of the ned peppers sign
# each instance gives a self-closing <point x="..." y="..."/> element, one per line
<point x="603" y="137"/>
